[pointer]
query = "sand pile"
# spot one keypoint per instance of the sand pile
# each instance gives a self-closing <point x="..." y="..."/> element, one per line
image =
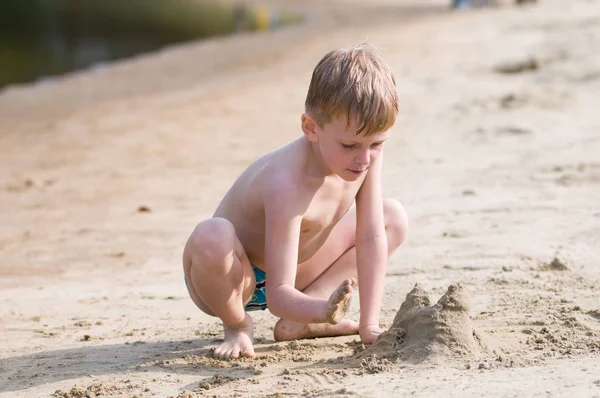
<point x="436" y="332"/>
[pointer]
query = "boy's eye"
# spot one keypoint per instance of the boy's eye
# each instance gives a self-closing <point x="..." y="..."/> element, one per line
<point x="348" y="146"/>
<point x="377" y="145"/>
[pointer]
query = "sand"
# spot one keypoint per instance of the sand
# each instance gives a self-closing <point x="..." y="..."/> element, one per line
<point x="105" y="172"/>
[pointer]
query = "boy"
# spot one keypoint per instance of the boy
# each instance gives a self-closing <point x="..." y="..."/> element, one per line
<point x="285" y="235"/>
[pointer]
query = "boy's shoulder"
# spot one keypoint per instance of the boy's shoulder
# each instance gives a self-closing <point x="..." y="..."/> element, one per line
<point x="281" y="177"/>
<point x="282" y="172"/>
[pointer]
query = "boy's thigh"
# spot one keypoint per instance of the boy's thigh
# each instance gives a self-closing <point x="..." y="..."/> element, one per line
<point x="341" y="239"/>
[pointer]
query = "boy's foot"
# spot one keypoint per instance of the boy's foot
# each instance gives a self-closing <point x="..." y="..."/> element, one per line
<point x="287" y="330"/>
<point x="339" y="301"/>
<point x="237" y="341"/>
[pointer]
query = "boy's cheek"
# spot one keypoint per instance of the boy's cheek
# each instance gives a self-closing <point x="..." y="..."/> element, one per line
<point x="376" y="155"/>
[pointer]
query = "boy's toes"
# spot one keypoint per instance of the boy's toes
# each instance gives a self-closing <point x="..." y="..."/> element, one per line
<point x="216" y="353"/>
<point x="233" y="352"/>
<point x="247" y="354"/>
<point x="224" y="353"/>
<point x="350" y="284"/>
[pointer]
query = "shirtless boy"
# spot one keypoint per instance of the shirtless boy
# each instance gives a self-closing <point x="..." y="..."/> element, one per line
<point x="286" y="235"/>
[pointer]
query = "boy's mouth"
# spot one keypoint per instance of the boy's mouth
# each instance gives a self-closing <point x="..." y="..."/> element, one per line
<point x="357" y="172"/>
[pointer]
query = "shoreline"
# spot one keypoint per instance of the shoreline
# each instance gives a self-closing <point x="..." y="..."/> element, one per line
<point x="231" y="49"/>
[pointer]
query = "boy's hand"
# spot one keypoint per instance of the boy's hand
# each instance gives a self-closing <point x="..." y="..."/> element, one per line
<point x="369" y="333"/>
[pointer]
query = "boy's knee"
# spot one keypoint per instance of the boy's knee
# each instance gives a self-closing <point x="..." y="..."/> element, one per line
<point x="396" y="222"/>
<point x="211" y="242"/>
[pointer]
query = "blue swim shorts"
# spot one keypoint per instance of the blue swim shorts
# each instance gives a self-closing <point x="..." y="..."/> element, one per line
<point x="259" y="298"/>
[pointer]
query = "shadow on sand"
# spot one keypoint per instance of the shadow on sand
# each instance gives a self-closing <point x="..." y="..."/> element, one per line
<point x="191" y="357"/>
<point x="174" y="357"/>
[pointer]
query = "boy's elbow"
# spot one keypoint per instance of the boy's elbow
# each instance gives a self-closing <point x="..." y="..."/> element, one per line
<point x="280" y="299"/>
<point x="274" y="310"/>
<point x="274" y="303"/>
<point x="275" y="307"/>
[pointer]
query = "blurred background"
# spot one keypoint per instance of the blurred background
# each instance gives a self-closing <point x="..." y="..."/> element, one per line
<point x="43" y="38"/>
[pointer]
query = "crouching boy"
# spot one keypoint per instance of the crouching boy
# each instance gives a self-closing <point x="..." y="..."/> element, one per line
<point x="286" y="235"/>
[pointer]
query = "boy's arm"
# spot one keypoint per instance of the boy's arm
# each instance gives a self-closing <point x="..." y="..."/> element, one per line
<point x="283" y="218"/>
<point x="371" y="251"/>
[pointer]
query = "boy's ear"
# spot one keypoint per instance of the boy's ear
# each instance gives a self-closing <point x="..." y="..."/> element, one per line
<point x="309" y="127"/>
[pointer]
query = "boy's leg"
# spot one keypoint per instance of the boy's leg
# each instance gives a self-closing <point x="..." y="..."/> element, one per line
<point x="334" y="262"/>
<point x="220" y="281"/>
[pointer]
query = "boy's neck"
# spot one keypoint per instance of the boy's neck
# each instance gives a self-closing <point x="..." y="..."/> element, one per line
<point x="315" y="166"/>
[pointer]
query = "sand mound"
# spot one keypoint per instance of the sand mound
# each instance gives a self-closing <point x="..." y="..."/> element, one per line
<point x="439" y="332"/>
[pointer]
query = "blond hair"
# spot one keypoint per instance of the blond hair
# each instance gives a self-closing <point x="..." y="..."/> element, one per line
<point x="356" y="83"/>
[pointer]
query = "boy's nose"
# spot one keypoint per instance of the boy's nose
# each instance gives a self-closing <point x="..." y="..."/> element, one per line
<point x="363" y="158"/>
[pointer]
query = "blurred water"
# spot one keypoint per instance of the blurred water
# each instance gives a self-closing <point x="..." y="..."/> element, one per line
<point x="41" y="38"/>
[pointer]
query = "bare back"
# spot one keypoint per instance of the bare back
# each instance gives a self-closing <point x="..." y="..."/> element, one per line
<point x="324" y="200"/>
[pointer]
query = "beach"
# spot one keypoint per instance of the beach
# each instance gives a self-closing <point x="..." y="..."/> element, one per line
<point x="105" y="172"/>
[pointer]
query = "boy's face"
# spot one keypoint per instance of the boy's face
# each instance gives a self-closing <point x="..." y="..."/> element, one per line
<point x="346" y="154"/>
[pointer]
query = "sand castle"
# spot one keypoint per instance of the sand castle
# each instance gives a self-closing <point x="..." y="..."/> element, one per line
<point x="436" y="332"/>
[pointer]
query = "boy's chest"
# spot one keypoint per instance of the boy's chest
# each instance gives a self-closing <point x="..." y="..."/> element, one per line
<point x="327" y="207"/>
